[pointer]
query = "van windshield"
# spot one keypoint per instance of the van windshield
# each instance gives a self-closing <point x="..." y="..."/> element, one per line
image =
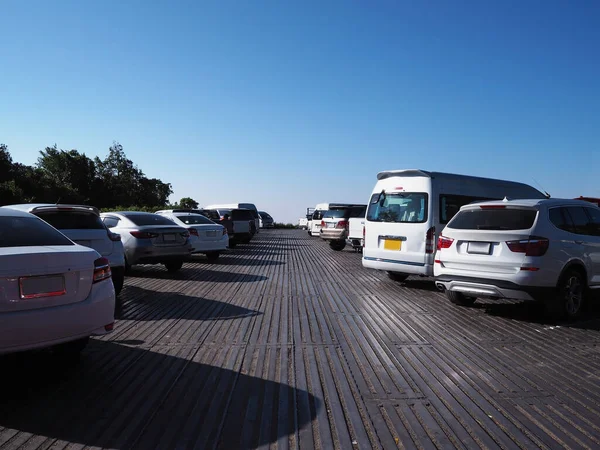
<point x="398" y="207"/>
<point x="334" y="213"/>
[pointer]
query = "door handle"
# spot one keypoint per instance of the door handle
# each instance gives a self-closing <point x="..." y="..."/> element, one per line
<point x="579" y="242"/>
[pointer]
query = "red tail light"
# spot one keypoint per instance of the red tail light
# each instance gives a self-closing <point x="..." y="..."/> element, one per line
<point x="534" y="246"/>
<point x="143" y="234"/>
<point x="101" y="270"/>
<point x="114" y="236"/>
<point x="109" y="327"/>
<point x="342" y="224"/>
<point x="322" y="224"/>
<point x="430" y="240"/>
<point x="193" y="232"/>
<point x="444" y="242"/>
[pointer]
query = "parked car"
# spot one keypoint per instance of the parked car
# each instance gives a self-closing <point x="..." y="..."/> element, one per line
<point x="266" y="221"/>
<point x="335" y="224"/>
<point x="54" y="293"/>
<point x="83" y="225"/>
<point x="249" y="206"/>
<point x="150" y="238"/>
<point x="409" y="208"/>
<point x="206" y="236"/>
<point x="240" y="225"/>
<point x="546" y="250"/>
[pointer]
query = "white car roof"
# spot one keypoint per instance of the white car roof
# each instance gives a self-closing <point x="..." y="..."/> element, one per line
<point x="29" y="207"/>
<point x="532" y="203"/>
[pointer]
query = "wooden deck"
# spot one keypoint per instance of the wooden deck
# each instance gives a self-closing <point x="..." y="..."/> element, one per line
<point x="285" y="343"/>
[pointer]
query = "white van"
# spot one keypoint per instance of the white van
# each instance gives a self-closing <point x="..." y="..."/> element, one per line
<point x="409" y="208"/>
<point x="250" y="206"/>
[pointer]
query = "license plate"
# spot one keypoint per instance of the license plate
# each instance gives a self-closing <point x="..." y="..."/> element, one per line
<point x="479" y="248"/>
<point x="211" y="233"/>
<point x="44" y="286"/>
<point x="330" y="225"/>
<point x="392" y="244"/>
<point x="169" y="238"/>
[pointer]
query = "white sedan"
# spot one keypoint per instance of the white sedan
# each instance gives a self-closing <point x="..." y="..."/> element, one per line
<point x="206" y="236"/>
<point x="53" y="292"/>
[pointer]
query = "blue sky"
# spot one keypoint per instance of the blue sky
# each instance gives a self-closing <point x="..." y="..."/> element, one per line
<point x="289" y="104"/>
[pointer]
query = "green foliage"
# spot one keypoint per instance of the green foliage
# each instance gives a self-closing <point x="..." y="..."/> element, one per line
<point x="62" y="176"/>
<point x="187" y="202"/>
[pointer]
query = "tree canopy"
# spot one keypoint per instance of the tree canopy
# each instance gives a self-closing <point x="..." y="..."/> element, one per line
<point x="68" y="176"/>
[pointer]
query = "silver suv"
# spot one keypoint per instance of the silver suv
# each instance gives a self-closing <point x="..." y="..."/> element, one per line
<point x="546" y="250"/>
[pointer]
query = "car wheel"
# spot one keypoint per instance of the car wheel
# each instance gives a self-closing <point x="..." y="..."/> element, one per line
<point x="458" y="298"/>
<point x="173" y="266"/>
<point x="213" y="256"/>
<point x="71" y="350"/>
<point x="395" y="276"/>
<point x="570" y="297"/>
<point x="337" y="245"/>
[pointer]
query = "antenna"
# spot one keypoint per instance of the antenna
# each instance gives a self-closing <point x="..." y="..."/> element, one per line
<point x="541" y="187"/>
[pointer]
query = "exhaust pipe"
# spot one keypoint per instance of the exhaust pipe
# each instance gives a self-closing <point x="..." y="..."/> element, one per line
<point x="440" y="287"/>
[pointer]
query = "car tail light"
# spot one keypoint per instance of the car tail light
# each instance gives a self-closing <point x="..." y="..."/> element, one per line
<point x="534" y="246"/>
<point x="113" y="236"/>
<point x="322" y="224"/>
<point x="101" y="270"/>
<point x="342" y="224"/>
<point x="143" y="234"/>
<point x="109" y="327"/>
<point x="444" y="242"/>
<point x="193" y="232"/>
<point x="430" y="240"/>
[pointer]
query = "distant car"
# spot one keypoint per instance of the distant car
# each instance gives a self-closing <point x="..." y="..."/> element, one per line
<point x="335" y="224"/>
<point x="150" y="238"/>
<point x="241" y="229"/>
<point x="54" y="293"/>
<point x="266" y="221"/>
<point x="546" y="250"/>
<point x="205" y="235"/>
<point x="83" y="225"/>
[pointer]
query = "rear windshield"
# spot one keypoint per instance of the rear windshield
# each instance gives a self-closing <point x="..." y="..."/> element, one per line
<point x="195" y="219"/>
<point x="401" y="207"/>
<point x="148" y="219"/>
<point x="335" y="213"/>
<point x="494" y="219"/>
<point x="265" y="215"/>
<point x="72" y="220"/>
<point x="210" y="213"/>
<point x="29" y="232"/>
<point x="241" y="214"/>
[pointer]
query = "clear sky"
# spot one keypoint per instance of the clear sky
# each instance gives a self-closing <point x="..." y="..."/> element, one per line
<point x="288" y="104"/>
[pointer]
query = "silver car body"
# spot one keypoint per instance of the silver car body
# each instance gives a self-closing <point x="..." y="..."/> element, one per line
<point x="205" y="235"/>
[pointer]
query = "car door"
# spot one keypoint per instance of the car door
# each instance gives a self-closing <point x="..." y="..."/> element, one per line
<point x="593" y="236"/>
<point x="585" y="244"/>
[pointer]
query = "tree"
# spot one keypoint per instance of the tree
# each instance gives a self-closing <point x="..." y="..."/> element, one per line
<point x="187" y="202"/>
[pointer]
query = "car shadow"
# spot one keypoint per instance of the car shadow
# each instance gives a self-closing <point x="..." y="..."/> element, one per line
<point x="141" y="304"/>
<point x="123" y="397"/>
<point x="196" y="274"/>
<point x="237" y="261"/>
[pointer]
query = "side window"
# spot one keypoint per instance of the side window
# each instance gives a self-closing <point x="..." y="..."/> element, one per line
<point x="110" y="222"/>
<point x="560" y="220"/>
<point x="450" y="205"/>
<point x="579" y="219"/>
<point x="594" y="224"/>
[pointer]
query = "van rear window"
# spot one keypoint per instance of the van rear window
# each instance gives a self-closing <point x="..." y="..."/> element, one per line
<point x="398" y="207"/>
<point x="72" y="220"/>
<point x="494" y="219"/>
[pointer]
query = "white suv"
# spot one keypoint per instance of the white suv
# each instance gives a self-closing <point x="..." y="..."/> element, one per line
<point x="546" y="250"/>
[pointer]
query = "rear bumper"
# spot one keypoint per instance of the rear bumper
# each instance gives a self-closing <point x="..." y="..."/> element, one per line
<point x="397" y="266"/>
<point x="241" y="237"/>
<point x="332" y="234"/>
<point x="210" y="246"/>
<point x="484" y="287"/>
<point x="157" y="255"/>
<point x="45" y="327"/>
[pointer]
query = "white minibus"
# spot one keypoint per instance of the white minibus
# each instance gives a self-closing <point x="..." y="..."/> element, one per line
<point x="409" y="208"/>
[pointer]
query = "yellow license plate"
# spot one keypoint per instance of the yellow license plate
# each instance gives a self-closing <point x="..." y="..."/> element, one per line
<point x="392" y="244"/>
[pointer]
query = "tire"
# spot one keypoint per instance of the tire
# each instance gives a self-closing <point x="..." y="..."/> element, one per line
<point x="213" y="256"/>
<point x="337" y="245"/>
<point x="70" y="351"/>
<point x="395" y="276"/>
<point x="173" y="266"/>
<point x="118" y="279"/>
<point x="569" y="301"/>
<point x="458" y="298"/>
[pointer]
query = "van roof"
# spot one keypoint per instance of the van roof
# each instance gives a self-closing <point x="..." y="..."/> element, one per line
<point x="532" y="203"/>
<point x="428" y="174"/>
